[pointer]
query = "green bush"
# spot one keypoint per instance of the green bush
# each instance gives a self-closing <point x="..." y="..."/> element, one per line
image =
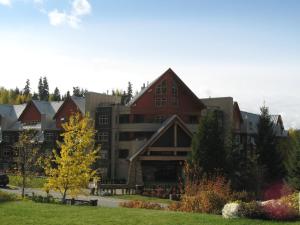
<point x="5" y="197"/>
<point x="252" y="210"/>
<point x="141" y="205"/>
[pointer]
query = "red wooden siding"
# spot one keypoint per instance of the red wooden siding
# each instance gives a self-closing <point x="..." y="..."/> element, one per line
<point x="66" y="110"/>
<point x="30" y="114"/>
<point x="187" y="103"/>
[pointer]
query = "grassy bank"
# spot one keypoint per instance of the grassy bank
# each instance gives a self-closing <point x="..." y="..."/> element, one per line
<point x="26" y="212"/>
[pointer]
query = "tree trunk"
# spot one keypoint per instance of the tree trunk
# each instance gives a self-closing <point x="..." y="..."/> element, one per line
<point x="23" y="186"/>
<point x="64" y="197"/>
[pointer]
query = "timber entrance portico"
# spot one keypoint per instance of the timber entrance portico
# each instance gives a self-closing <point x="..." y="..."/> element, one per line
<point x="161" y="159"/>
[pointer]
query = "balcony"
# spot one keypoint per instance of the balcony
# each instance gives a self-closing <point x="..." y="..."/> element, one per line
<point x="132" y="127"/>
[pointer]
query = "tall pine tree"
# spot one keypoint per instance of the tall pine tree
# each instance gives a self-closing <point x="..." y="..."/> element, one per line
<point x="45" y="89"/>
<point x="56" y="95"/>
<point x="26" y="90"/>
<point x="40" y="89"/>
<point x="208" y="150"/>
<point x="266" y="146"/>
<point x="293" y="162"/>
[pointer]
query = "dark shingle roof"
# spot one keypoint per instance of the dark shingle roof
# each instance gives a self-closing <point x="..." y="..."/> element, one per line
<point x="47" y="108"/>
<point x="80" y="102"/>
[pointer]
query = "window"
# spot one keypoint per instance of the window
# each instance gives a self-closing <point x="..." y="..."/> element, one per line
<point x="159" y="119"/>
<point x="6" y="138"/>
<point x="193" y="119"/>
<point x="174" y="99"/>
<point x="102" y="137"/>
<point x="237" y="139"/>
<point x="250" y="125"/>
<point x="50" y="136"/>
<point x="139" y="119"/>
<point x="103" y="119"/>
<point x="161" y="94"/>
<point x="103" y="154"/>
<point x="123" y="119"/>
<point x="123" y="153"/>
<point x="124" y="136"/>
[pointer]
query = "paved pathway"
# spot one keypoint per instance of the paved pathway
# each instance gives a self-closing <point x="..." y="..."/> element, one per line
<point x="102" y="201"/>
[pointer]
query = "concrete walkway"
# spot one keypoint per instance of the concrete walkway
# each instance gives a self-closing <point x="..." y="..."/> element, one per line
<point x="102" y="201"/>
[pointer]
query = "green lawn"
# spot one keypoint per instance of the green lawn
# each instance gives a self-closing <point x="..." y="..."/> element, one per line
<point x="142" y="198"/>
<point x="35" y="182"/>
<point x="33" y="213"/>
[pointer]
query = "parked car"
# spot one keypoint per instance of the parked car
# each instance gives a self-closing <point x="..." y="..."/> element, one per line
<point x="4" y="180"/>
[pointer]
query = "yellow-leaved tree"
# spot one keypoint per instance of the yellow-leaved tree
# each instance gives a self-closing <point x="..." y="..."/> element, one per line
<point x="70" y="170"/>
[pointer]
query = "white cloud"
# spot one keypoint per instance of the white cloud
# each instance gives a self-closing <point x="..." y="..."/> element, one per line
<point x="5" y="2"/>
<point x="57" y="18"/>
<point x="81" y="7"/>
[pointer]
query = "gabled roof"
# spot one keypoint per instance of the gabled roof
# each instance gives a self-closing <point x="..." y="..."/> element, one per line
<point x="78" y="101"/>
<point x="12" y="112"/>
<point x="254" y="120"/>
<point x="44" y="107"/>
<point x="236" y="106"/>
<point x="172" y="73"/>
<point x="166" y="125"/>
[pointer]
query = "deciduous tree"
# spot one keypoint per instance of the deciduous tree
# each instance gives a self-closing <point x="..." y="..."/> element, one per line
<point x="26" y="156"/>
<point x="70" y="170"/>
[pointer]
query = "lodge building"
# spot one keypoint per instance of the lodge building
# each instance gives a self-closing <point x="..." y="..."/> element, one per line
<point x="145" y="140"/>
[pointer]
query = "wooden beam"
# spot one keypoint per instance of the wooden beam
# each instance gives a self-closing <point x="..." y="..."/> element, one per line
<point x="175" y="135"/>
<point x="168" y="149"/>
<point x="163" y="158"/>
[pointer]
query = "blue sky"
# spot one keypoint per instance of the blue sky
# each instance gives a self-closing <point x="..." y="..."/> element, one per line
<point x="247" y="49"/>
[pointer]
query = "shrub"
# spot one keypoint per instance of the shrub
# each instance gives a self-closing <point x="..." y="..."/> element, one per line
<point x="231" y="211"/>
<point x="205" y="196"/>
<point x="280" y="210"/>
<point x="141" y="205"/>
<point x="252" y="210"/>
<point x="5" y="197"/>
<point x="243" y="196"/>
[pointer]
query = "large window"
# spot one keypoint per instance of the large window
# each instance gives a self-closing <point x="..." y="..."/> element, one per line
<point x="161" y="94"/>
<point x="102" y="137"/>
<point x="103" y="154"/>
<point x="174" y="98"/>
<point x="103" y="119"/>
<point x="124" y="119"/>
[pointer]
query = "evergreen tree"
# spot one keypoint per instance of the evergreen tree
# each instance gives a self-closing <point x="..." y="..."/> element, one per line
<point x="208" y="150"/>
<point x="245" y="173"/>
<point x="35" y="96"/>
<point x="45" y="89"/>
<point x="26" y="90"/>
<point x="56" y="95"/>
<point x="266" y="145"/>
<point x="129" y="91"/>
<point x="40" y="89"/>
<point x="79" y="92"/>
<point x="76" y="91"/>
<point x="293" y="162"/>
